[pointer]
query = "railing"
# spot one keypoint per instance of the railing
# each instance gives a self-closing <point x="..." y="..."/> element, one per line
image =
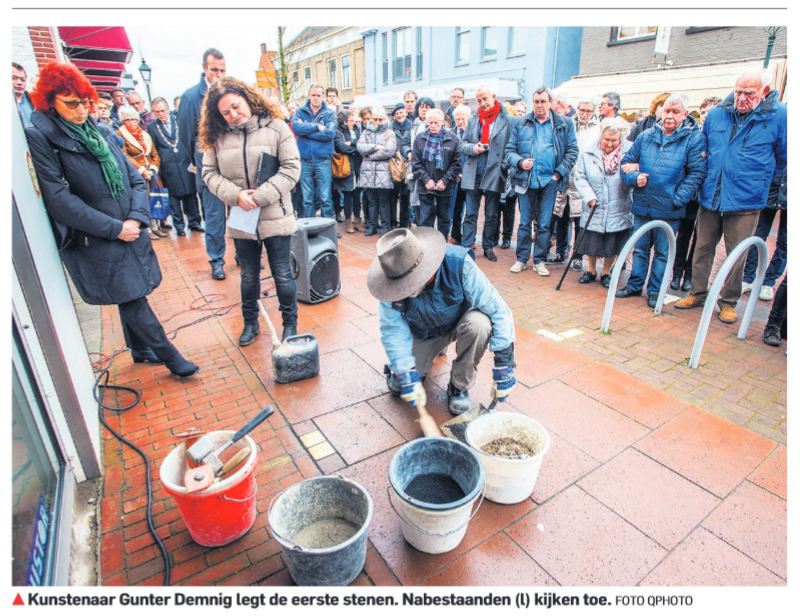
<point x="718" y="282"/>
<point x="619" y="264"/>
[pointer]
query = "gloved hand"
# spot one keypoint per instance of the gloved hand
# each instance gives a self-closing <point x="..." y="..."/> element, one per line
<point x="411" y="388"/>
<point x="503" y="382"/>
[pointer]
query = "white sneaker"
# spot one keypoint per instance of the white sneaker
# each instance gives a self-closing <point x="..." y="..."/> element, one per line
<point x="766" y="293"/>
<point x="746" y="287"/>
<point x="540" y="268"/>
<point x="517" y="267"/>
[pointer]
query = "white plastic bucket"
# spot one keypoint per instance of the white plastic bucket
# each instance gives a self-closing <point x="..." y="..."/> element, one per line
<point x="435" y="528"/>
<point x="509" y="480"/>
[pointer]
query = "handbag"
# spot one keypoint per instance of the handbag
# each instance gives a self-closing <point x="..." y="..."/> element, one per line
<point x="340" y="165"/>
<point x="398" y="167"/>
<point x="159" y="199"/>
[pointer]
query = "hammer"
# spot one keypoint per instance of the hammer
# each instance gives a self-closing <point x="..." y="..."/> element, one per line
<point x="202" y="452"/>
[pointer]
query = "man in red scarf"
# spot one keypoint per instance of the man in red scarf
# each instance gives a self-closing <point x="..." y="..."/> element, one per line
<point x="484" y="172"/>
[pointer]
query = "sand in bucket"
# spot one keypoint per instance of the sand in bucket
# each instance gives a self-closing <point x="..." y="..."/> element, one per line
<point x="519" y="443"/>
<point x="325" y="533"/>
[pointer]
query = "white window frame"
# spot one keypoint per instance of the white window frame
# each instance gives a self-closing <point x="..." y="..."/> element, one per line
<point x="511" y="53"/>
<point x="331" y="71"/>
<point x="487" y="57"/>
<point x="296" y="84"/>
<point x="346" y="84"/>
<point x="640" y="33"/>
<point x="307" y="78"/>
<point x="462" y="32"/>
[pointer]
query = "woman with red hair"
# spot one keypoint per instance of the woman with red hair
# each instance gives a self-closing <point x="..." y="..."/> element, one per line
<point x="89" y="185"/>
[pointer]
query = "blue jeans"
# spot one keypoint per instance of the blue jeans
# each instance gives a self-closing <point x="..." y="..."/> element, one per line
<point x="779" y="259"/>
<point x="658" y="239"/>
<point x="536" y="205"/>
<point x="214" y="213"/>
<point x="433" y="205"/>
<point x="316" y="180"/>
<point x="473" y="200"/>
<point x="278" y="257"/>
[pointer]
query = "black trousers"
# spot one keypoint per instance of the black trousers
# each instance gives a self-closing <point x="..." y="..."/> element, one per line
<point x="298" y="201"/>
<point x="779" y="309"/>
<point x="434" y="206"/>
<point x="142" y="329"/>
<point x="189" y="205"/>
<point x="683" y="262"/>
<point x="456" y="214"/>
<point x="399" y="194"/>
<point x="506" y="217"/>
<point x="377" y="203"/>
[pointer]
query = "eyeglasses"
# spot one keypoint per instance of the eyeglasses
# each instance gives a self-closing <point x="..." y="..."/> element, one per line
<point x="605" y="104"/>
<point x="543" y="102"/>
<point x="85" y="103"/>
<point x="134" y="120"/>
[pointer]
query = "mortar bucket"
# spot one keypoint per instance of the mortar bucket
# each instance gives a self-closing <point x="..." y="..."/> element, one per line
<point x="223" y="512"/>
<point x="322" y="527"/>
<point x="509" y="480"/>
<point x="430" y="527"/>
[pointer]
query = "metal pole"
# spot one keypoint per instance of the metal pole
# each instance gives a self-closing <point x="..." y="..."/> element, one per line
<point x="715" y="289"/>
<point x="619" y="264"/>
<point x="772" y="32"/>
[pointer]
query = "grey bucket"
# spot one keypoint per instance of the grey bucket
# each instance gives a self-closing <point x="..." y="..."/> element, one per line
<point x="311" y="501"/>
<point x="431" y="527"/>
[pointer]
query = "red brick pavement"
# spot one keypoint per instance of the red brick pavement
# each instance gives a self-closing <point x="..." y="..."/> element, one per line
<point x="680" y="483"/>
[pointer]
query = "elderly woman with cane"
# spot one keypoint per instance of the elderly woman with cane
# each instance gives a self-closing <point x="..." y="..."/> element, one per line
<point x="99" y="203"/>
<point x="597" y="179"/>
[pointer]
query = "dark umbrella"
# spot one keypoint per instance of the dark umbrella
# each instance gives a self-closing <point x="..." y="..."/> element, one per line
<point x="576" y="245"/>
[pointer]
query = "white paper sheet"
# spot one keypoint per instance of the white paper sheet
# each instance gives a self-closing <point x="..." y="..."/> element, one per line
<point x="244" y="221"/>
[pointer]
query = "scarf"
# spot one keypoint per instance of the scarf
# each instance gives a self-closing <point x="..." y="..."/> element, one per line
<point x="136" y="133"/>
<point x="434" y="149"/>
<point x="612" y="160"/>
<point x="88" y="134"/>
<point x="486" y="118"/>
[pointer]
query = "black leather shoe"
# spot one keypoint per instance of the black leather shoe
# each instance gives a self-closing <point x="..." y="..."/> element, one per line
<point x="505" y="245"/>
<point x="587" y="277"/>
<point x="339" y="218"/>
<point x="180" y="232"/>
<point x="652" y="301"/>
<point x="605" y="280"/>
<point x="249" y="333"/>
<point x="772" y="335"/>
<point x="218" y="273"/>
<point x="141" y="356"/>
<point x="627" y="292"/>
<point x="686" y="284"/>
<point x="491" y="256"/>
<point x="458" y="401"/>
<point x="675" y="281"/>
<point x="197" y="228"/>
<point x="289" y="330"/>
<point x="370" y="232"/>
<point x="180" y="366"/>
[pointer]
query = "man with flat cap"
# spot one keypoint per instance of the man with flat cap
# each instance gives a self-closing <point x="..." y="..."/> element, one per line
<point x="432" y="294"/>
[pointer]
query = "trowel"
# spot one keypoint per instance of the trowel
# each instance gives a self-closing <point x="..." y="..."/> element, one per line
<point x="457" y="427"/>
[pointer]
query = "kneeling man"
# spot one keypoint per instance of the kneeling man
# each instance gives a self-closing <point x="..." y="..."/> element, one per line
<point x="432" y="294"/>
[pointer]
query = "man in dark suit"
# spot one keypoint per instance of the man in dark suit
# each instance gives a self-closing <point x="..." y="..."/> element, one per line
<point x="214" y="210"/>
<point x="174" y="168"/>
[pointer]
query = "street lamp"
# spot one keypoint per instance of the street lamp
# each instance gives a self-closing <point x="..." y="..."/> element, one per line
<point x="772" y="32"/>
<point x="145" y="71"/>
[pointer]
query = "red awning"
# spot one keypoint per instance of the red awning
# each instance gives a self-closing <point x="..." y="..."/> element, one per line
<point x="100" y="43"/>
<point x="94" y="69"/>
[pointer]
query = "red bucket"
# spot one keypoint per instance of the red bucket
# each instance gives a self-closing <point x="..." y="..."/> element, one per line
<point x="223" y="512"/>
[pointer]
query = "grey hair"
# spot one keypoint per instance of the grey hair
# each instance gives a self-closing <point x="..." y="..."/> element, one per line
<point x="486" y="88"/>
<point x="614" y="98"/>
<point x="540" y="90"/>
<point x="561" y="96"/>
<point x="678" y="97"/>
<point x="758" y="72"/>
<point x="313" y="86"/>
<point x="462" y="108"/>
<point x="435" y="111"/>
<point x="129" y="93"/>
<point x="378" y="112"/>
<point x="587" y="97"/>
<point x="127" y="110"/>
<point x="615" y="125"/>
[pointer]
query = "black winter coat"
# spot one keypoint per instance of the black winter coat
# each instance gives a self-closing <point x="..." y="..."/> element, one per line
<point x="644" y="125"/>
<point x="105" y="270"/>
<point x="354" y="158"/>
<point x="173" y="166"/>
<point x="423" y="170"/>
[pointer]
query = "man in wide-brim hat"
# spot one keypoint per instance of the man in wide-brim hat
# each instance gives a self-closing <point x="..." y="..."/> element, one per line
<point x="432" y="294"/>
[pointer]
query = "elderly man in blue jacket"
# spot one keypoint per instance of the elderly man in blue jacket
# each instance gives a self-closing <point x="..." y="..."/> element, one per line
<point x="315" y="126"/>
<point x="747" y="141"/>
<point x="432" y="294"/>
<point x="666" y="165"/>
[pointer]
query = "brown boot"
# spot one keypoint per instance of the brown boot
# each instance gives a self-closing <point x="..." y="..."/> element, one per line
<point x="154" y="227"/>
<point x="349" y="226"/>
<point x="689" y="302"/>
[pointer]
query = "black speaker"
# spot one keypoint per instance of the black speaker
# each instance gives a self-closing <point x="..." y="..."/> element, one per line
<point x="315" y="259"/>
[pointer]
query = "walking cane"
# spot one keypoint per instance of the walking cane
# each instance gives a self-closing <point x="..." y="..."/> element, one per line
<point x="576" y="245"/>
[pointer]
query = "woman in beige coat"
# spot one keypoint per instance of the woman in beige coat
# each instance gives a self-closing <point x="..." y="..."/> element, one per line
<point x="244" y="138"/>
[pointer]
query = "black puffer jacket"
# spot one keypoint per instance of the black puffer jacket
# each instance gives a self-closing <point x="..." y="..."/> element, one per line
<point x="342" y="135"/>
<point x="105" y="270"/>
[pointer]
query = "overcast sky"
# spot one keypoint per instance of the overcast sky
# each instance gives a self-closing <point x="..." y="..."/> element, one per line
<point x="174" y="54"/>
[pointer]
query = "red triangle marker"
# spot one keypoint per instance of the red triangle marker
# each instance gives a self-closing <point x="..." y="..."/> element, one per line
<point x="18" y="600"/>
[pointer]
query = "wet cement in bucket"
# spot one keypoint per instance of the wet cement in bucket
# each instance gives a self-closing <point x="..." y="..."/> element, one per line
<point x="520" y="443"/>
<point x="434" y="488"/>
<point x="325" y="533"/>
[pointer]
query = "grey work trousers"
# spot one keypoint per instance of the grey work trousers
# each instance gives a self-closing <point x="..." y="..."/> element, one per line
<point x="735" y="227"/>
<point x="472" y="335"/>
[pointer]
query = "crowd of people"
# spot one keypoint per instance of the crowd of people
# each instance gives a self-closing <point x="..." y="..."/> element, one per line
<point x="225" y="146"/>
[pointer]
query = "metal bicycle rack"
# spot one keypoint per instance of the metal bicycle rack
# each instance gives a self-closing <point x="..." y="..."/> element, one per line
<point x="718" y="282"/>
<point x="619" y="263"/>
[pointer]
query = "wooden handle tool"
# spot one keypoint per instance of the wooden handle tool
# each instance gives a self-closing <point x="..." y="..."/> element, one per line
<point x="273" y="335"/>
<point x="235" y="461"/>
<point x="427" y="422"/>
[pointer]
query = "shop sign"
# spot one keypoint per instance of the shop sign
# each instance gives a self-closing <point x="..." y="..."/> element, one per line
<point x="41" y="536"/>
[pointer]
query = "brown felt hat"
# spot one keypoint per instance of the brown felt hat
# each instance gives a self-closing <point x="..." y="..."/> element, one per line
<point x="406" y="260"/>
